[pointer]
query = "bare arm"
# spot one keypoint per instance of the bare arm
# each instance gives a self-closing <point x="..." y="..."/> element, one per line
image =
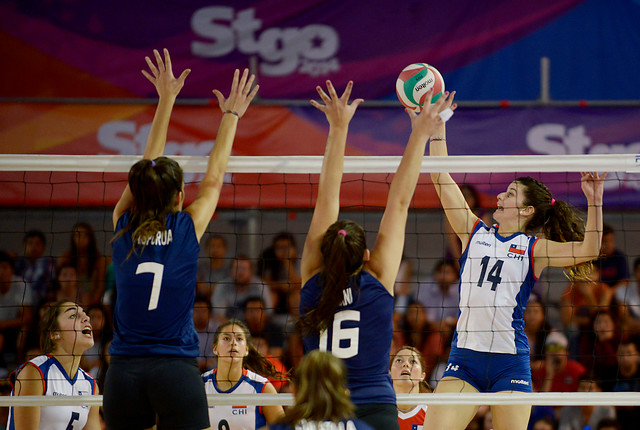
<point x="204" y="205"/>
<point x="339" y="113"/>
<point x="93" y="421"/>
<point x="563" y="254"/>
<point x="28" y="383"/>
<point x="387" y="252"/>
<point x="272" y="413"/>
<point x="461" y="218"/>
<point x="168" y="88"/>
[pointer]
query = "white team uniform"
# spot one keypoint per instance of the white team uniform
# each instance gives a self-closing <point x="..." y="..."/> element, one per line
<point x="236" y="417"/>
<point x="56" y="382"/>
<point x="496" y="280"/>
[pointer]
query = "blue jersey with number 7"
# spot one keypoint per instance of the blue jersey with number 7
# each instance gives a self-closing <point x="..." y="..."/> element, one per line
<point x="155" y="290"/>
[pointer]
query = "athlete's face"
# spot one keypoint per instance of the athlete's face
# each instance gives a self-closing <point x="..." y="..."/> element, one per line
<point x="232" y="343"/>
<point x="510" y="204"/>
<point x="406" y="371"/>
<point x="75" y="333"/>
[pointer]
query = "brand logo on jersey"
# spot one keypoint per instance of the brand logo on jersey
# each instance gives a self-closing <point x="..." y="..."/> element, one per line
<point x="83" y="393"/>
<point x="519" y="381"/>
<point x="483" y="243"/>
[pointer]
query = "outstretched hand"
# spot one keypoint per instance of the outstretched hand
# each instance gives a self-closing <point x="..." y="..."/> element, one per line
<point x="428" y="121"/>
<point x="162" y="75"/>
<point x="240" y="95"/>
<point x="337" y="109"/>
<point x="593" y="186"/>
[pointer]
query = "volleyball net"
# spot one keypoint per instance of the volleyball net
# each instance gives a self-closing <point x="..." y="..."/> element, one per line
<point x="266" y="196"/>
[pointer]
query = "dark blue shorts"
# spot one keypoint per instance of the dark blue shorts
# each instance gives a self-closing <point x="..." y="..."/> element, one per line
<point x="490" y="372"/>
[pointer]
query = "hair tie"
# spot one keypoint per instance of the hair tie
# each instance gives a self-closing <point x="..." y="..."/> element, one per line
<point x="153" y="163"/>
<point x="342" y="232"/>
<point x="553" y="201"/>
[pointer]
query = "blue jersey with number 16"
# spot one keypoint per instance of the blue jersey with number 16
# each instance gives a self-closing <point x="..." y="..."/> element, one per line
<point x="156" y="288"/>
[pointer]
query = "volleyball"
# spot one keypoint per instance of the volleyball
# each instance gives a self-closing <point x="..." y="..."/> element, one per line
<point x="415" y="81"/>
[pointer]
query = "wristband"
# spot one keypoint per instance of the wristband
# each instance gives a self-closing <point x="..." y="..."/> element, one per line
<point x="435" y="139"/>
<point x="231" y="112"/>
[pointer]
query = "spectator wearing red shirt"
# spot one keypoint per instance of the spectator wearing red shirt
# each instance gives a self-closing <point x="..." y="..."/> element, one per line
<point x="558" y="373"/>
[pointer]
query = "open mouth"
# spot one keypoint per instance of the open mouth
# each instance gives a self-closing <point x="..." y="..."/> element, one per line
<point x="405" y="373"/>
<point x="87" y="331"/>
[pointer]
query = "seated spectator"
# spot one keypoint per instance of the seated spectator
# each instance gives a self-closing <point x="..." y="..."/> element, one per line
<point x="34" y="267"/>
<point x="279" y="269"/>
<point x="402" y="288"/>
<point x="263" y="347"/>
<point x="558" y="373"/>
<point x="260" y="325"/>
<point x="206" y="328"/>
<point x="65" y="286"/>
<point x="628" y="300"/>
<point x="544" y="423"/>
<point x="588" y="416"/>
<point x="231" y="293"/>
<point x="628" y="379"/>
<point x="422" y="335"/>
<point x="598" y="348"/>
<point x="614" y="270"/>
<point x="102" y="330"/>
<point x="536" y="327"/>
<point x="15" y="313"/>
<point x="440" y="296"/>
<point x="90" y="264"/>
<point x="214" y="267"/>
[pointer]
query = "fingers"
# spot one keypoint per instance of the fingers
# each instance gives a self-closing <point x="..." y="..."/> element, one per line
<point x="152" y="66"/>
<point x="219" y="96"/>
<point x="247" y="86"/>
<point x="243" y="80"/>
<point x="234" y="83"/>
<point x="347" y="92"/>
<point x="167" y="61"/>
<point x="184" y="75"/>
<point x="148" y="76"/>
<point x="325" y="98"/>
<point x="253" y="93"/>
<point x="161" y="66"/>
<point x="332" y="91"/>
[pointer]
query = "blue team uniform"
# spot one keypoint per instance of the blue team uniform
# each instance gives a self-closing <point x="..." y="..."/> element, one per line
<point x="155" y="291"/>
<point x="360" y="333"/>
<point x="489" y="347"/>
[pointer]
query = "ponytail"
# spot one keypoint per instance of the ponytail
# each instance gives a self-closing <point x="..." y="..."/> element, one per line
<point x="556" y="220"/>
<point x="342" y="249"/>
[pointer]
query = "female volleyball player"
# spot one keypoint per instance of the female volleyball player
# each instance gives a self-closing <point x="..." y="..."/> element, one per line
<point x="153" y="367"/>
<point x="241" y="370"/>
<point x="65" y="334"/>
<point x="499" y="265"/>
<point x="346" y="302"/>
<point x="408" y="375"/>
<point x="322" y="398"/>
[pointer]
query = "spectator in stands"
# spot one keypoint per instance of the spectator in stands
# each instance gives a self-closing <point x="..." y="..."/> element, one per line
<point x="558" y="373"/>
<point x="440" y="296"/>
<point x="65" y="286"/>
<point x="90" y="264"/>
<point x="231" y="293"/>
<point x="598" y="348"/>
<point x="614" y="270"/>
<point x="423" y="335"/>
<point x="279" y="383"/>
<point x="15" y="313"/>
<point x="34" y="267"/>
<point x="628" y="299"/>
<point x="102" y="330"/>
<point x="260" y="325"/>
<point x="279" y="269"/>
<point x="206" y="328"/>
<point x="628" y="379"/>
<point x="214" y="267"/>
<point x="545" y="423"/>
<point x="536" y="327"/>
<point x="587" y="416"/>
<point x="403" y="294"/>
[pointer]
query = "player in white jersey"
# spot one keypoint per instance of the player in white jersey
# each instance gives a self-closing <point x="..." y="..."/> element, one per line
<point x="407" y="372"/>
<point x="65" y="335"/>
<point x="499" y="266"/>
<point x="241" y="370"/>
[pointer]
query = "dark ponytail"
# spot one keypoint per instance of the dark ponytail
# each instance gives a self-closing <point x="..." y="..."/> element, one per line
<point x="342" y="248"/>
<point x="556" y="220"/>
<point x="154" y="185"/>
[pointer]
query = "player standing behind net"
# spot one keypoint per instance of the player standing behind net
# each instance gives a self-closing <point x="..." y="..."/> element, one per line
<point x="153" y="368"/>
<point x="498" y="268"/>
<point x="346" y="302"/>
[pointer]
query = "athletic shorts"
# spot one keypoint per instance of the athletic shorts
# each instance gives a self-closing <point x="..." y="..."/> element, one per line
<point x="379" y="416"/>
<point x="490" y="372"/>
<point x="137" y="389"/>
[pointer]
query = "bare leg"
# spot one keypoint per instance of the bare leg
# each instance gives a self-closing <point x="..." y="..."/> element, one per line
<point x="450" y="417"/>
<point x="510" y="417"/>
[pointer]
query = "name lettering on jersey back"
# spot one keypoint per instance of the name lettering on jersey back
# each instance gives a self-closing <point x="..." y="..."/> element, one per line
<point x="347" y="297"/>
<point x="305" y="425"/>
<point x="164" y="237"/>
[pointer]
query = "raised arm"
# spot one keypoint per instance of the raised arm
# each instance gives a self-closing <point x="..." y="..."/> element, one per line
<point x="387" y="252"/>
<point x="339" y="113"/>
<point x="168" y="88"/>
<point x="460" y="216"/>
<point x="564" y="254"/>
<point x="233" y="107"/>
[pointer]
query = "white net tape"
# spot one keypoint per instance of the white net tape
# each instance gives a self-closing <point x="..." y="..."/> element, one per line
<point x="629" y="163"/>
<point x="550" y="399"/>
